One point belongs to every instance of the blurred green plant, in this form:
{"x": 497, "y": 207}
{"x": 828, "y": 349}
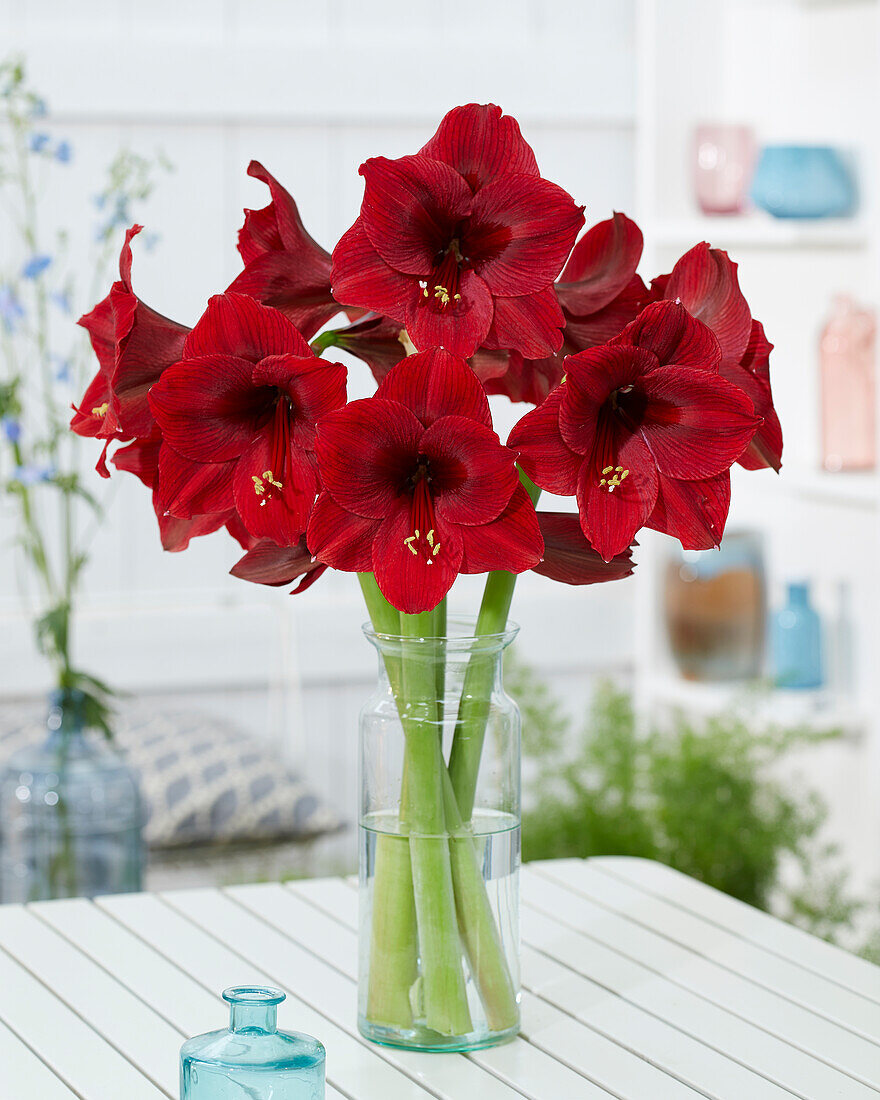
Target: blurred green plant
{"x": 43, "y": 360}
{"x": 701, "y": 799}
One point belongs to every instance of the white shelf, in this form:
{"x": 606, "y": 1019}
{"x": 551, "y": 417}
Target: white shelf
{"x": 819, "y": 710}
{"x": 757, "y": 230}
{"x": 846, "y": 489}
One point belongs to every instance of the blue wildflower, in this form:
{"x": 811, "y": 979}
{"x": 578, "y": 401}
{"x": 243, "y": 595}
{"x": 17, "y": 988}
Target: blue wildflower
{"x": 63, "y": 368}
{"x": 11, "y": 429}
{"x": 100, "y": 201}
{"x": 10, "y": 308}
{"x": 32, "y": 473}
{"x": 63, "y": 152}
{"x": 35, "y": 266}
{"x": 38, "y": 142}
{"x": 38, "y": 108}
{"x": 150, "y": 240}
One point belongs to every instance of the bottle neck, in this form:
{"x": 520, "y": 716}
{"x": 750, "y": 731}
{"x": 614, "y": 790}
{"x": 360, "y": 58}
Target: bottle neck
{"x": 253, "y": 1017}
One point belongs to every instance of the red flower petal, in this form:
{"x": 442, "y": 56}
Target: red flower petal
{"x": 527, "y": 379}
{"x": 141, "y": 458}
{"x": 461, "y": 327}
{"x": 473, "y": 476}
{"x": 606, "y": 323}
{"x": 569, "y": 557}
{"x": 542, "y": 451}
{"x": 601, "y": 265}
{"x": 297, "y": 285}
{"x": 365, "y": 453}
{"x": 188, "y": 489}
{"x": 481, "y": 143}
{"x": 520, "y": 232}
{"x": 411, "y": 208}
{"x": 208, "y": 408}
{"x": 235, "y": 324}
{"x": 592, "y": 376}
{"x": 511, "y": 542}
{"x": 339, "y": 538}
{"x": 277, "y": 226}
{"x": 753, "y": 376}
{"x": 176, "y": 533}
{"x": 610, "y": 520}
{"x": 696, "y": 424}
{"x": 362, "y": 278}
{"x": 273, "y": 503}
{"x": 102, "y": 334}
{"x": 674, "y": 336}
{"x": 705, "y": 281}
{"x": 95, "y": 417}
{"x": 267, "y": 563}
{"x": 694, "y": 512}
{"x": 531, "y": 324}
{"x": 436, "y": 383}
{"x": 409, "y": 581}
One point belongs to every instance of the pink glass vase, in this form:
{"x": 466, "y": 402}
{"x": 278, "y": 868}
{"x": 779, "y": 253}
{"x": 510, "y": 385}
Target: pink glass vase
{"x": 846, "y": 352}
{"x": 723, "y": 166}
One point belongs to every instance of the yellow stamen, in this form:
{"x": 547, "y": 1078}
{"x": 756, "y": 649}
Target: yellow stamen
{"x": 101, "y": 410}
{"x": 617, "y": 476}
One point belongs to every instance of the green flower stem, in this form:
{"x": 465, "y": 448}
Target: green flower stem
{"x": 473, "y": 714}
{"x": 443, "y": 989}
{"x": 393, "y": 942}
{"x": 476, "y": 922}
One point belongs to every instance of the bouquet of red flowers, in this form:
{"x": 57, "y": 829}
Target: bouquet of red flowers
{"x": 462, "y": 276}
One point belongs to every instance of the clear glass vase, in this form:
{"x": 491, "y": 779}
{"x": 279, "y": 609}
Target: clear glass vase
{"x": 251, "y": 1058}
{"x": 71, "y": 813}
{"x": 440, "y": 844}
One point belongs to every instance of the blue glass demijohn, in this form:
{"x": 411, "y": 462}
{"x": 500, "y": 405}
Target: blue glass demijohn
{"x": 71, "y": 813}
{"x": 252, "y": 1059}
{"x": 796, "y": 641}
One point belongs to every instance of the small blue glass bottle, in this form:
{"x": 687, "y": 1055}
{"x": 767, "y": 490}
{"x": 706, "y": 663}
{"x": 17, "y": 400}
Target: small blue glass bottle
{"x": 252, "y": 1060}
{"x": 796, "y": 642}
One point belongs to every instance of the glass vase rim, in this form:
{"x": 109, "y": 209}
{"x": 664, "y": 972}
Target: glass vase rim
{"x": 253, "y": 995}
{"x": 460, "y": 631}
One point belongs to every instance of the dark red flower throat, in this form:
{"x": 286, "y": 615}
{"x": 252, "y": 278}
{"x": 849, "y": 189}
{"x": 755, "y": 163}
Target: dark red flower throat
{"x": 423, "y": 540}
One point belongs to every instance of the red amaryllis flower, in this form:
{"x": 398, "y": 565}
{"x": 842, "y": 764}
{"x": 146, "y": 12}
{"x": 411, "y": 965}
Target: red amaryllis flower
{"x": 633, "y": 417}
{"x": 237, "y": 416}
{"x": 431, "y": 493}
{"x": 599, "y": 292}
{"x": 569, "y": 556}
{"x": 284, "y": 266}
{"x": 705, "y": 282}
{"x": 134, "y": 344}
{"x": 374, "y": 339}
{"x": 461, "y": 242}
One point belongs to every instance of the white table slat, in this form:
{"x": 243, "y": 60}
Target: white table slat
{"x": 354, "y": 1069}
{"x": 327, "y": 990}
{"x": 23, "y": 1074}
{"x": 659, "y": 918}
{"x": 67, "y": 1044}
{"x": 638, "y": 984}
{"x": 709, "y": 1023}
{"x": 623, "y": 1067}
{"x": 732, "y": 992}
{"x": 743, "y": 921}
{"x": 535, "y": 1074}
{"x": 137, "y": 1032}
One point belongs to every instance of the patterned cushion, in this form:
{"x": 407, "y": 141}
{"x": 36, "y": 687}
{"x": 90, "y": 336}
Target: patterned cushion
{"x": 204, "y": 781}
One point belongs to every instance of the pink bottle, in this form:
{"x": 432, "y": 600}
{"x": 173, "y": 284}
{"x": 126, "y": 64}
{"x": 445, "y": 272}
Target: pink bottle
{"x": 847, "y": 365}
{"x": 723, "y": 165}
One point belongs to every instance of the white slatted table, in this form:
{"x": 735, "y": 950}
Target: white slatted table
{"x": 639, "y": 983}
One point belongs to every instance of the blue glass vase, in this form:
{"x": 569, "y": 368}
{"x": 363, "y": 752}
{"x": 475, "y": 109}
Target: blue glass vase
{"x": 71, "y": 813}
{"x": 803, "y": 181}
{"x": 796, "y": 642}
{"x": 252, "y": 1059}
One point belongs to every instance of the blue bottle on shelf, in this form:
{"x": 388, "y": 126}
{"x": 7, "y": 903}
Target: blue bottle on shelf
{"x": 252, "y": 1059}
{"x": 796, "y": 641}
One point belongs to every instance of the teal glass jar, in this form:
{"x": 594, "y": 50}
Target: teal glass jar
{"x": 252, "y": 1058}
